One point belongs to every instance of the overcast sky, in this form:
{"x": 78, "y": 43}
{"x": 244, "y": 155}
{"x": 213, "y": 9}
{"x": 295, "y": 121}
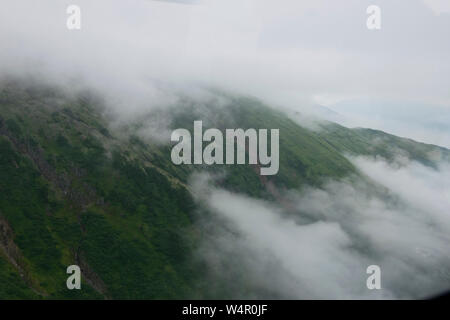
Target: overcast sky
{"x": 292, "y": 53}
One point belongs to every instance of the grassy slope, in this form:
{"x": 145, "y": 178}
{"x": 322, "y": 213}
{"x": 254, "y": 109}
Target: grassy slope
{"x": 74, "y": 193}
{"x": 371, "y": 142}
{"x": 69, "y": 201}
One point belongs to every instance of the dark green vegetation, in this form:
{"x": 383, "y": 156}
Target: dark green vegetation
{"x": 72, "y": 191}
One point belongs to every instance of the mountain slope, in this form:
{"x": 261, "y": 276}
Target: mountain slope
{"x": 359, "y": 141}
{"x": 74, "y": 191}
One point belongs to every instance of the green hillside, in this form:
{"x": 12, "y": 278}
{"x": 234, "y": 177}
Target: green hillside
{"x": 74, "y": 191}
{"x": 369, "y": 142}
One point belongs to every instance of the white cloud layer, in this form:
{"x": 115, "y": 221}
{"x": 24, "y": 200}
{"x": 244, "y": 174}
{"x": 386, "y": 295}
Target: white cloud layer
{"x": 288, "y": 51}
{"x": 340, "y": 230}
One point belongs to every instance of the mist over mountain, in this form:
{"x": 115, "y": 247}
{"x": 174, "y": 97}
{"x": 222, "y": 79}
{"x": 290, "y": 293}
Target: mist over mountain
{"x": 416, "y": 121}
{"x": 87, "y": 179}
{"x": 80, "y": 189}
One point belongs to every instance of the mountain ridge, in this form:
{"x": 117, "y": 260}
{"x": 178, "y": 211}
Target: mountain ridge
{"x": 77, "y": 192}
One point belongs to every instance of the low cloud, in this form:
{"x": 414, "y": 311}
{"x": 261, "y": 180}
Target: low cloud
{"x": 399, "y": 221}
{"x": 290, "y": 53}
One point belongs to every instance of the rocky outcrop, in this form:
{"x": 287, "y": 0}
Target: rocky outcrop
{"x": 13, "y": 254}
{"x": 90, "y": 276}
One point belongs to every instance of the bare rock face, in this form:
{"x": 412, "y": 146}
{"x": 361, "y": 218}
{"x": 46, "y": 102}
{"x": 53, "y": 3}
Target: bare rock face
{"x": 14, "y": 255}
{"x": 7, "y": 245}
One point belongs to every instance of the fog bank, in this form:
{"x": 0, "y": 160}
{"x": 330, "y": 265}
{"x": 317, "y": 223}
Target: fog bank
{"x": 340, "y": 230}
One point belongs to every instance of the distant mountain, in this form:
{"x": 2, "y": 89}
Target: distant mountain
{"x": 426, "y": 123}
{"x": 75, "y": 191}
